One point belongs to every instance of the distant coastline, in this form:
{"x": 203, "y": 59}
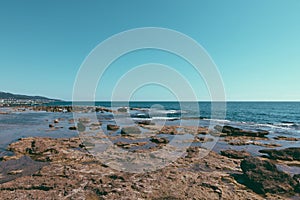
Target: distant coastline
{"x": 9, "y": 99}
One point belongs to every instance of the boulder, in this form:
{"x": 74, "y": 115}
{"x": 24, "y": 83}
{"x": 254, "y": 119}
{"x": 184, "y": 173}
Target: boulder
{"x": 263, "y": 177}
{"x": 235, "y": 154}
{"x": 290, "y": 154}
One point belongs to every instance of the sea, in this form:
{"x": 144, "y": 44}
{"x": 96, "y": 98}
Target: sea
{"x": 279, "y": 118}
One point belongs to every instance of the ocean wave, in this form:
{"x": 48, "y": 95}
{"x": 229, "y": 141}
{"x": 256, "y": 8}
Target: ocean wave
{"x": 155, "y": 118}
{"x": 218, "y": 120}
{"x": 165, "y": 118}
{"x": 166, "y": 111}
{"x": 275, "y": 126}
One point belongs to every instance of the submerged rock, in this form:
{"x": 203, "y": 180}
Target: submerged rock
{"x": 80, "y": 127}
{"x": 264, "y": 177}
{"x": 130, "y": 130}
{"x": 24, "y": 166}
{"x": 289, "y": 154}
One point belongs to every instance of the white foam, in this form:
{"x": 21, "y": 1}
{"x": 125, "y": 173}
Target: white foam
{"x": 218, "y": 120}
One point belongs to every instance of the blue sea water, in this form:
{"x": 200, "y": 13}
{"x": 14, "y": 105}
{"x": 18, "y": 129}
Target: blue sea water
{"x": 279, "y": 118}
{"x": 254, "y": 112}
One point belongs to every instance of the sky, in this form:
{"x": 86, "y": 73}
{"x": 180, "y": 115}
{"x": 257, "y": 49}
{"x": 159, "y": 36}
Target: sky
{"x": 254, "y": 44}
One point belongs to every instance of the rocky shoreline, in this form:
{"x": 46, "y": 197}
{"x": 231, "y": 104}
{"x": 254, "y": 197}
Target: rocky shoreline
{"x": 66, "y": 168}
{"x": 63, "y": 169}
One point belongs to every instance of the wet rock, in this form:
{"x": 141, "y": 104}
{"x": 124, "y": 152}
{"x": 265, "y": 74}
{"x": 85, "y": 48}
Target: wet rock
{"x": 42, "y": 149}
{"x": 264, "y": 177}
{"x": 96, "y": 124}
{"x": 112, "y": 127}
{"x": 203, "y": 130}
{"x": 126, "y": 145}
{"x": 232, "y": 131}
{"x": 296, "y": 177}
{"x": 88, "y": 145}
{"x": 270, "y": 145}
{"x": 84, "y": 120}
{"x": 192, "y": 152}
{"x": 102, "y": 109}
{"x": 286, "y": 138}
{"x": 130, "y": 130}
{"x": 250, "y": 142}
{"x": 122, "y": 109}
{"x": 235, "y": 154}
{"x": 172, "y": 130}
{"x": 15, "y": 172}
{"x": 53, "y": 108}
{"x": 146, "y": 122}
{"x": 159, "y": 140}
{"x": 203, "y": 139}
{"x": 246, "y": 140}
{"x": 56, "y": 121}
{"x": 51, "y": 126}
{"x": 93, "y": 128}
{"x": 290, "y": 154}
{"x": 73, "y": 128}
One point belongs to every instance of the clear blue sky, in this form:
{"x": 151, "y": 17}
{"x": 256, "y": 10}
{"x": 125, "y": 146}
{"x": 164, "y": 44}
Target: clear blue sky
{"x": 255, "y": 44}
